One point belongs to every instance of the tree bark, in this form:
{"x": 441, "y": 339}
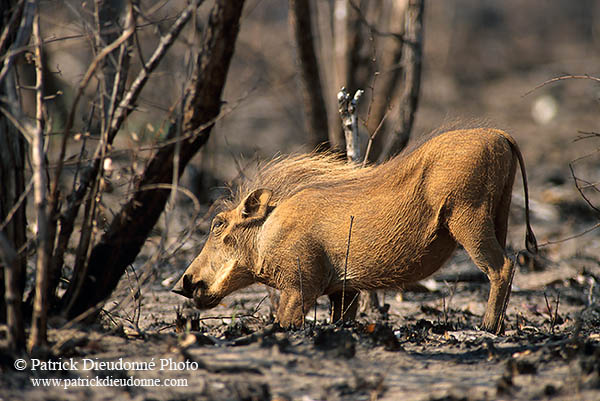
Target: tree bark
{"x": 12, "y": 187}
{"x": 129, "y": 229}
{"x": 12, "y": 265}
{"x": 389, "y": 59}
{"x": 312, "y": 91}
{"x": 413, "y": 57}
{"x": 37, "y": 337}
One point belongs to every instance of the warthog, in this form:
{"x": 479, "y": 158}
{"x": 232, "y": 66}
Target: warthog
{"x": 289, "y": 228}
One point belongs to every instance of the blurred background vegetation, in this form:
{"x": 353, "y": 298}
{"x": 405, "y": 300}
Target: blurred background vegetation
{"x": 480, "y": 59}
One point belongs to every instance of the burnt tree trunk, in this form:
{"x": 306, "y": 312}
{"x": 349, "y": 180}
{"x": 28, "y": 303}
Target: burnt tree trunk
{"x": 129, "y": 229}
{"x": 12, "y": 188}
{"x": 412, "y": 61}
{"x": 352, "y": 65}
{"x": 12, "y": 268}
{"x": 312, "y": 91}
{"x": 347, "y": 44}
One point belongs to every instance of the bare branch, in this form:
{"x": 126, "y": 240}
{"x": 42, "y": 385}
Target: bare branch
{"x": 24, "y": 130}
{"x": 11, "y": 26}
{"x": 343, "y": 311}
{"x": 581, "y": 234}
{"x": 17, "y": 205}
{"x": 40, "y": 306}
{"x": 122, "y": 242}
{"x": 374, "y": 135}
{"x": 118, "y": 117}
{"x": 82, "y": 85}
{"x": 585, "y": 198}
{"x": 130, "y": 98}
{"x": 561, "y": 78}
{"x": 22, "y": 38}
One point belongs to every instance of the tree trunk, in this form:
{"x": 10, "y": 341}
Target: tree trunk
{"x": 129, "y": 229}
{"x": 389, "y": 64}
{"x": 12, "y": 187}
{"x": 312, "y": 91}
{"x": 413, "y": 57}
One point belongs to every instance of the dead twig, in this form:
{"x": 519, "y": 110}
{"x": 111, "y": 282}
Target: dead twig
{"x": 22, "y": 126}
{"x": 120, "y": 113}
{"x": 587, "y": 231}
{"x": 80, "y": 89}
{"x": 561, "y": 78}
{"x": 553, "y": 315}
{"x": 125, "y": 106}
{"x": 301, "y": 294}
{"x": 586, "y": 135}
{"x": 374, "y": 135}
{"x": 346, "y": 266}
{"x": 136, "y": 295}
{"x": 446, "y": 305}
{"x": 11, "y": 26}
{"x": 585, "y": 198}
{"x": 22, "y": 37}
{"x": 17, "y": 205}
{"x": 351, "y": 302}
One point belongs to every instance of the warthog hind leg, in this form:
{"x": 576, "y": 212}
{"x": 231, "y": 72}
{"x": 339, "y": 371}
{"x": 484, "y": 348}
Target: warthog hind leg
{"x": 480, "y": 241}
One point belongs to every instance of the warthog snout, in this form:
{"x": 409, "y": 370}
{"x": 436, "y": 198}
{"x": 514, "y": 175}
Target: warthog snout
{"x": 184, "y": 286}
{"x": 196, "y": 291}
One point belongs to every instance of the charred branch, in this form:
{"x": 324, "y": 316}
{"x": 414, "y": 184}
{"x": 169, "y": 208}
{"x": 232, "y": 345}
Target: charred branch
{"x": 13, "y": 222}
{"x": 37, "y": 337}
{"x": 121, "y": 112}
{"x": 348, "y": 108}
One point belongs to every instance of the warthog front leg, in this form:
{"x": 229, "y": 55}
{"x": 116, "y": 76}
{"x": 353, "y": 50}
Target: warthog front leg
{"x": 293, "y": 305}
{"x": 350, "y": 305}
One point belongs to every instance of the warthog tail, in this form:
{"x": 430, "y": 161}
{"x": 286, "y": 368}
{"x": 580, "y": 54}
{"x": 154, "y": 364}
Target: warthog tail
{"x": 530, "y": 241}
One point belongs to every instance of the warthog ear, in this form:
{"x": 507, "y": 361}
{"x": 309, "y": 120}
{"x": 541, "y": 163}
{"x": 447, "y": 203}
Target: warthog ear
{"x": 255, "y": 206}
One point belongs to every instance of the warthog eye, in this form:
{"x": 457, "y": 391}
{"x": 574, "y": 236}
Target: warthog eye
{"x": 217, "y": 225}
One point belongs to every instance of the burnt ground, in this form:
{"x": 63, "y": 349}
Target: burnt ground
{"x": 422, "y": 345}
{"x": 481, "y": 58}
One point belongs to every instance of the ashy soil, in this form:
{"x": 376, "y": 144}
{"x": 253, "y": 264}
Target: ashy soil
{"x": 424, "y": 343}
{"x": 421, "y": 345}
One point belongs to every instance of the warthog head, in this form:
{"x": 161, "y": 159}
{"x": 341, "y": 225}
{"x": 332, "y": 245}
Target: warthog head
{"x": 226, "y": 261}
